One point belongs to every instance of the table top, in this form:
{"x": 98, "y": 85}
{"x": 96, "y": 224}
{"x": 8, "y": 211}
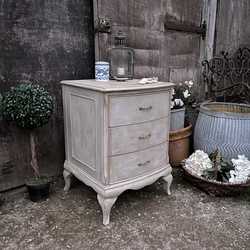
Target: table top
{"x": 116, "y": 86}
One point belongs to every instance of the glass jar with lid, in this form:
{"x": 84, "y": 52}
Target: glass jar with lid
{"x": 121, "y": 59}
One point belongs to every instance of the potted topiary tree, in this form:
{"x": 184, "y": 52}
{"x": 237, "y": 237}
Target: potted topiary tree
{"x": 30, "y": 107}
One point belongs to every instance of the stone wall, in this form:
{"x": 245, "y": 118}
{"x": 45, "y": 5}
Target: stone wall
{"x": 41, "y": 41}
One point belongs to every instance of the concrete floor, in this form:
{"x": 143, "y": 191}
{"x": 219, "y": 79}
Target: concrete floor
{"x": 143, "y": 219}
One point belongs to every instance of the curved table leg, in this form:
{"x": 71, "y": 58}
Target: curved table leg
{"x": 168, "y": 181}
{"x": 106, "y": 205}
{"x": 67, "y": 178}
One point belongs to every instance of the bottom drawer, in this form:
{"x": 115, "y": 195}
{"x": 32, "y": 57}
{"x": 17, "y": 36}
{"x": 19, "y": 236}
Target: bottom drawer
{"x": 129, "y": 166}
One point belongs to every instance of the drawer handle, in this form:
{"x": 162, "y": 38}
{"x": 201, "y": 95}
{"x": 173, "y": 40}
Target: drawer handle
{"x": 143, "y": 164}
{"x": 144, "y": 137}
{"x": 145, "y": 108}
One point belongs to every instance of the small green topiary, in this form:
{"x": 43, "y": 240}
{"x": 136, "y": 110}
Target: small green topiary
{"x": 29, "y": 106}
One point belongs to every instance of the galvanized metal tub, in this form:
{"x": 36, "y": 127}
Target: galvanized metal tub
{"x": 223, "y": 126}
{"x": 177, "y": 119}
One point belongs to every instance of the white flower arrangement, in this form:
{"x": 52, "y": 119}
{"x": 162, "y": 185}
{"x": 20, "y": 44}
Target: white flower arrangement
{"x": 186, "y": 94}
{"x": 241, "y": 171}
{"x": 181, "y": 94}
{"x": 189, "y": 83}
{"x": 200, "y": 163}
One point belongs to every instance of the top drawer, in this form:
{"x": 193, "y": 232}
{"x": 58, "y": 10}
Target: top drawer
{"x": 130, "y": 109}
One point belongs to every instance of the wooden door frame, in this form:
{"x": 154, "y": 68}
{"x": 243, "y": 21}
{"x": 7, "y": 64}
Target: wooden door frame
{"x": 207, "y": 46}
{"x": 209, "y": 15}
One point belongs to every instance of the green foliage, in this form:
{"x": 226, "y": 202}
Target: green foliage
{"x": 29, "y": 106}
{"x": 221, "y": 168}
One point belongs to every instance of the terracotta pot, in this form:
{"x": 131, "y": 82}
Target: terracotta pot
{"x": 179, "y": 145}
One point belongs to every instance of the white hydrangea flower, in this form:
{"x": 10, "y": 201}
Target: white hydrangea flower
{"x": 198, "y": 162}
{"x": 242, "y": 170}
{"x": 190, "y": 84}
{"x": 178, "y": 102}
{"x": 241, "y": 173}
{"x": 186, "y": 94}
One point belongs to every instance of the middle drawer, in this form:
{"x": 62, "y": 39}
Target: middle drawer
{"x": 131, "y": 138}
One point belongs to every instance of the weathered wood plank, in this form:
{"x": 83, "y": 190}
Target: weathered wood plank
{"x": 156, "y": 49}
{"x": 233, "y": 25}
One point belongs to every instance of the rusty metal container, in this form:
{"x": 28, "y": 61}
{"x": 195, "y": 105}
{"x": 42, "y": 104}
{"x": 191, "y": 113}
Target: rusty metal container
{"x": 179, "y": 148}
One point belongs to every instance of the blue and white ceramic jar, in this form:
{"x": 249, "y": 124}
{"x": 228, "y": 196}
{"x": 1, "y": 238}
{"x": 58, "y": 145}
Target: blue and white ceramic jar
{"x": 102, "y": 71}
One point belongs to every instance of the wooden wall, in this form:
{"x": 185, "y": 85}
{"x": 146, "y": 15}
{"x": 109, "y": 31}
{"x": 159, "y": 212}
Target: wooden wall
{"x": 233, "y": 24}
{"x": 41, "y": 41}
{"x": 168, "y": 54}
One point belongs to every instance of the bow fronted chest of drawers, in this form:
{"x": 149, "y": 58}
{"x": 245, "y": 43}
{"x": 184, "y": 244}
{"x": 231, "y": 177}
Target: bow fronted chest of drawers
{"x": 116, "y": 136}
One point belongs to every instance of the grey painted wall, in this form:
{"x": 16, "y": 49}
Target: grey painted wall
{"x": 41, "y": 41}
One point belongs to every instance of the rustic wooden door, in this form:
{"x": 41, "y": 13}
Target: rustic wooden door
{"x": 165, "y": 34}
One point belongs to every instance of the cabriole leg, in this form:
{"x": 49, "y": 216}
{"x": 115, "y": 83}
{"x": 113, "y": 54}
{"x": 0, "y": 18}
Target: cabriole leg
{"x": 106, "y": 205}
{"x": 168, "y": 181}
{"x": 67, "y": 178}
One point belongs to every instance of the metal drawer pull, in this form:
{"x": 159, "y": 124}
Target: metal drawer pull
{"x": 143, "y": 164}
{"x": 144, "y": 137}
{"x": 145, "y": 108}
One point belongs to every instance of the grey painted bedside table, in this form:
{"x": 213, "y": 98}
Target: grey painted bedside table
{"x": 116, "y": 136}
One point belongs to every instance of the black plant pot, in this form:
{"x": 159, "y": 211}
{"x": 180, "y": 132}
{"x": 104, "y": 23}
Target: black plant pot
{"x": 38, "y": 191}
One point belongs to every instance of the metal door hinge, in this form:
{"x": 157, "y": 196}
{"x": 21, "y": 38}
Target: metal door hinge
{"x": 187, "y": 28}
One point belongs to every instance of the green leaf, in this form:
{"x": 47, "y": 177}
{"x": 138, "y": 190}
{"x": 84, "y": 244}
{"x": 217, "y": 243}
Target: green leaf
{"x": 28, "y": 105}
